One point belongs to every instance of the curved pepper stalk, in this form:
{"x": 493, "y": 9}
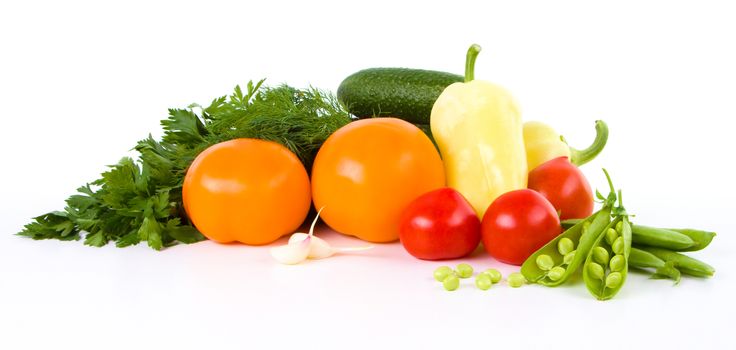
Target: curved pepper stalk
{"x": 580, "y": 157}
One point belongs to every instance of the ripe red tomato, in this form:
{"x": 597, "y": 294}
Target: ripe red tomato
{"x": 518, "y": 223}
{"x": 440, "y": 224}
{"x": 565, "y": 186}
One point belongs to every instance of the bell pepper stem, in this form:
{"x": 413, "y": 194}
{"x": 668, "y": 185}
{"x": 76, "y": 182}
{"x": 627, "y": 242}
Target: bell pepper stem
{"x": 580, "y": 157}
{"x": 473, "y": 52}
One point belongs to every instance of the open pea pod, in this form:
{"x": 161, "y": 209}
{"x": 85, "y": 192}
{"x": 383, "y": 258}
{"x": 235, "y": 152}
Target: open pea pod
{"x": 606, "y": 264}
{"x": 556, "y": 261}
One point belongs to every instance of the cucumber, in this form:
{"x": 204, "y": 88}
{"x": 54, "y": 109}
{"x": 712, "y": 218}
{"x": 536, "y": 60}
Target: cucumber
{"x": 402, "y": 93}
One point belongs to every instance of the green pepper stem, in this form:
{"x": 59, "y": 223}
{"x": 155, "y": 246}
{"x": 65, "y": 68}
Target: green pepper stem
{"x": 473, "y": 52}
{"x": 580, "y": 157}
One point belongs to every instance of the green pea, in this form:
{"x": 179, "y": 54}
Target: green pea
{"x": 516, "y": 280}
{"x": 595, "y": 271}
{"x": 565, "y": 245}
{"x": 441, "y": 272}
{"x": 611, "y": 236}
{"x": 494, "y": 274}
{"x": 451, "y": 282}
{"x": 618, "y": 245}
{"x": 613, "y": 280}
{"x": 483, "y": 281}
{"x": 620, "y": 226}
{"x": 567, "y": 259}
{"x": 545, "y": 262}
{"x": 556, "y": 273}
{"x": 600, "y": 255}
{"x": 464, "y": 270}
{"x": 617, "y": 262}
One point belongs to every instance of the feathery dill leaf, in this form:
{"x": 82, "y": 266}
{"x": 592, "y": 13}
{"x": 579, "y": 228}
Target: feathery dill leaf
{"x": 140, "y": 200}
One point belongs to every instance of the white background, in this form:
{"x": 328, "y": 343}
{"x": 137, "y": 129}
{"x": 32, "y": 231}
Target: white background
{"x": 80, "y": 82}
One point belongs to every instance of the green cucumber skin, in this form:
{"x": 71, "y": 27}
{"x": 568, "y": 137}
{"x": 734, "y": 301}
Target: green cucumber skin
{"x": 402, "y": 93}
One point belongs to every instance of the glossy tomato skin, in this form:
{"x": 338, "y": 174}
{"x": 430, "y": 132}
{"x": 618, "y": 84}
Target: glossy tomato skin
{"x": 517, "y": 224}
{"x": 439, "y": 225}
{"x": 246, "y": 190}
{"x": 368, "y": 171}
{"x": 565, "y": 186}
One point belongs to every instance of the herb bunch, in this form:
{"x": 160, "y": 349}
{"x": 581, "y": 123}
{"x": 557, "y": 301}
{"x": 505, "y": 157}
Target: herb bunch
{"x": 141, "y": 200}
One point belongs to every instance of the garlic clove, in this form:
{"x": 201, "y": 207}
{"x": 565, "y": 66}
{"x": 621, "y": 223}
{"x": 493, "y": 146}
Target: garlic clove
{"x": 292, "y": 253}
{"x": 320, "y": 249}
{"x": 298, "y": 237}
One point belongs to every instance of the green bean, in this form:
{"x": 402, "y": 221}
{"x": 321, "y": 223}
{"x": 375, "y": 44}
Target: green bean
{"x": 611, "y": 236}
{"x": 618, "y": 245}
{"x": 595, "y": 271}
{"x": 451, "y": 282}
{"x": 596, "y": 223}
{"x": 600, "y": 255}
{"x": 565, "y": 245}
{"x": 617, "y": 263}
{"x": 684, "y": 263}
{"x": 701, "y": 238}
{"x": 494, "y": 274}
{"x": 545, "y": 262}
{"x": 613, "y": 280}
{"x": 556, "y": 273}
{"x": 662, "y": 238}
{"x": 515, "y": 280}
{"x": 567, "y": 259}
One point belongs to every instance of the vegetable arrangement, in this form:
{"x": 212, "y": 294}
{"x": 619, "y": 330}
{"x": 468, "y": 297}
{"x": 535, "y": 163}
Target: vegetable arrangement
{"x": 438, "y": 161}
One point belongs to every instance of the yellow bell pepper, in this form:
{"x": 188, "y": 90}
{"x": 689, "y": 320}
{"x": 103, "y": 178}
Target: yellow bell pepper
{"x": 543, "y": 143}
{"x": 478, "y": 130}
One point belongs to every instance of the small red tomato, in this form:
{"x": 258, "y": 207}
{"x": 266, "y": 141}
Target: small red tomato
{"x": 440, "y": 224}
{"x": 518, "y": 223}
{"x": 565, "y": 186}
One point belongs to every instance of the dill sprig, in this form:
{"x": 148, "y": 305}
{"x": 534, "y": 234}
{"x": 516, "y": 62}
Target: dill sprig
{"x": 140, "y": 200}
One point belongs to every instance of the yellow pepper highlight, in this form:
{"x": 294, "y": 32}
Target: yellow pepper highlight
{"x": 478, "y": 130}
{"x": 543, "y": 143}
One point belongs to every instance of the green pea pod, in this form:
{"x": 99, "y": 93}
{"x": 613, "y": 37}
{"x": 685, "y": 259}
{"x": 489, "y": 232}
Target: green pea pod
{"x": 684, "y": 263}
{"x": 598, "y": 223}
{"x": 662, "y": 238}
{"x": 701, "y": 238}
{"x": 566, "y": 224}
{"x": 642, "y": 259}
{"x": 601, "y": 281}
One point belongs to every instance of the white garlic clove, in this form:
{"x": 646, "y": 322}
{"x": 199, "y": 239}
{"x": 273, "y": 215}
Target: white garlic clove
{"x": 320, "y": 249}
{"x": 291, "y": 254}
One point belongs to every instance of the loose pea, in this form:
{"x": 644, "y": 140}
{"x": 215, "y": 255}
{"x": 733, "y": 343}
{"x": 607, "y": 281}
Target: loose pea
{"x": 596, "y": 271}
{"x": 441, "y": 272}
{"x": 600, "y": 255}
{"x": 620, "y": 226}
{"x": 618, "y": 245}
{"x": 556, "y": 273}
{"x": 483, "y": 281}
{"x": 464, "y": 270}
{"x": 516, "y": 280}
{"x": 611, "y": 236}
{"x": 545, "y": 262}
{"x": 613, "y": 280}
{"x": 494, "y": 274}
{"x": 567, "y": 259}
{"x": 617, "y": 262}
{"x": 451, "y": 282}
{"x": 565, "y": 245}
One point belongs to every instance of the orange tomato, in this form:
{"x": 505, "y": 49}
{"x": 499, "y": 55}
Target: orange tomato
{"x": 368, "y": 171}
{"x": 246, "y": 190}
